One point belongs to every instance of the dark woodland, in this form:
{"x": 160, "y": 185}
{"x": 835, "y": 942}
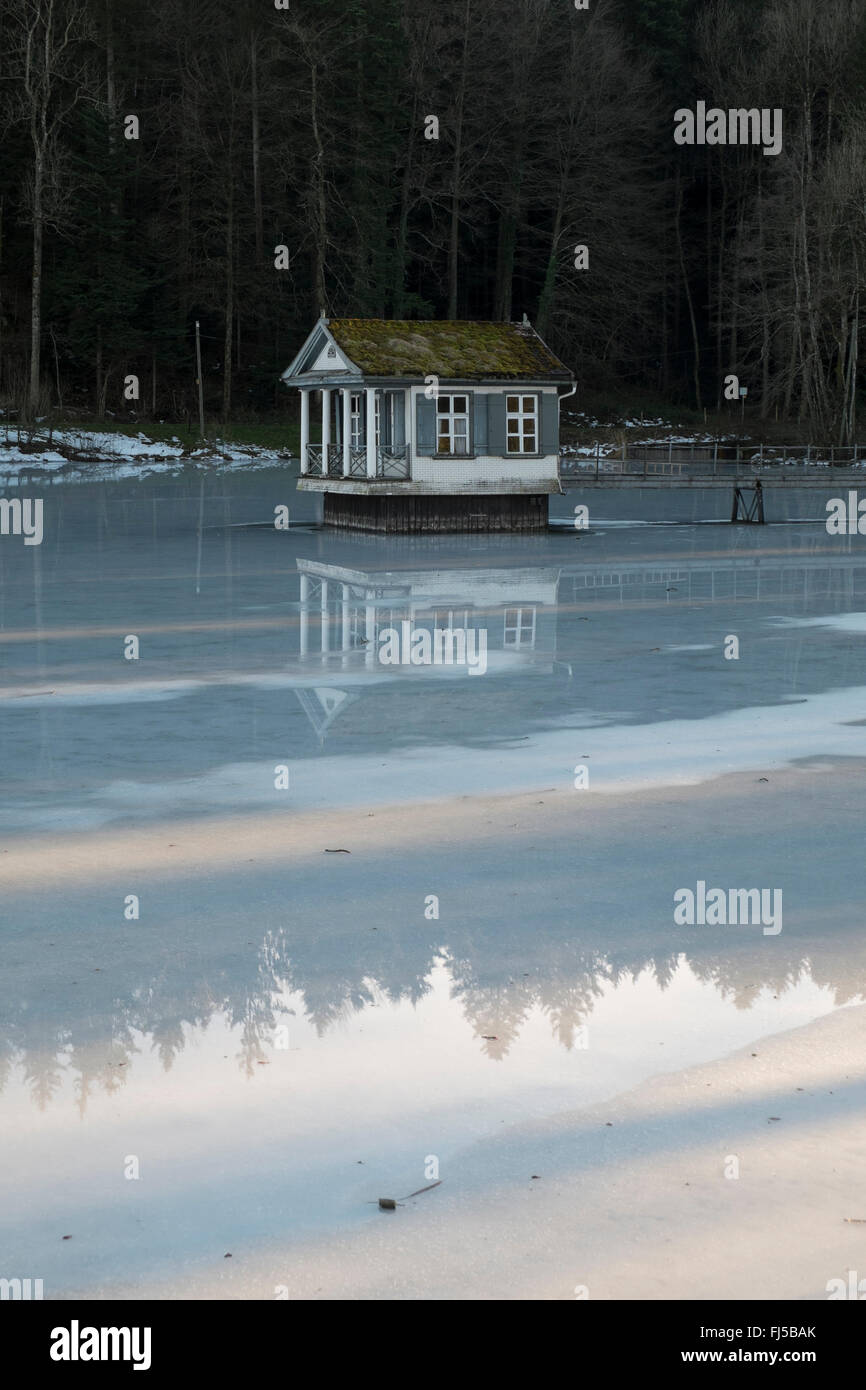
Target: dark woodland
{"x": 307, "y": 128}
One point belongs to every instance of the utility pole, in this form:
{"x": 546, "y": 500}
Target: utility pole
{"x": 200, "y": 387}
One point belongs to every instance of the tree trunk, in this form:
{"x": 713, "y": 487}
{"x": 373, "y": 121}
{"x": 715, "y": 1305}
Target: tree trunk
{"x": 545, "y": 299}
{"x": 229, "y": 299}
{"x": 256, "y": 152}
{"x": 457, "y": 174}
{"x": 507, "y": 244}
{"x": 36, "y": 291}
{"x": 318, "y": 200}
{"x": 691, "y": 307}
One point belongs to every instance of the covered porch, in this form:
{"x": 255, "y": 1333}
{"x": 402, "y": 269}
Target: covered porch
{"x": 363, "y": 434}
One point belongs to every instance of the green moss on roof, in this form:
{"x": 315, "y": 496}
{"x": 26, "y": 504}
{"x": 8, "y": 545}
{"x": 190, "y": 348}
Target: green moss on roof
{"x": 471, "y": 351}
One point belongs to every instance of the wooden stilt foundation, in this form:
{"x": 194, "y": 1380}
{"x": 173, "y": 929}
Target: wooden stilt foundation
{"x": 430, "y": 513}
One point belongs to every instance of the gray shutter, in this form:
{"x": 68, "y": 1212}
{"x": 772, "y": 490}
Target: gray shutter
{"x": 425, "y": 415}
{"x": 399, "y": 419}
{"x": 479, "y": 433}
{"x": 549, "y": 442}
{"x": 496, "y": 424}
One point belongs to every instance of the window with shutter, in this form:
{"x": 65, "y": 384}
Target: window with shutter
{"x": 452, "y": 425}
{"x": 521, "y": 424}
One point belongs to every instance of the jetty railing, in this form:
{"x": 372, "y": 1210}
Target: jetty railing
{"x": 713, "y": 458}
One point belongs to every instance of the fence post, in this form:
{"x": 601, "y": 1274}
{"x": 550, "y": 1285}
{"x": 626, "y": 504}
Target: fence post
{"x": 670, "y": 453}
{"x": 808, "y": 454}
{"x": 645, "y": 458}
{"x": 715, "y": 457}
{"x": 597, "y": 454}
{"x": 761, "y": 459}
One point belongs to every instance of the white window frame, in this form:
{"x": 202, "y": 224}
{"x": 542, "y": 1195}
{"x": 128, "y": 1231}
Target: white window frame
{"x": 443, "y": 618}
{"x": 453, "y": 417}
{"x": 357, "y": 418}
{"x": 521, "y": 416}
{"x": 519, "y": 634}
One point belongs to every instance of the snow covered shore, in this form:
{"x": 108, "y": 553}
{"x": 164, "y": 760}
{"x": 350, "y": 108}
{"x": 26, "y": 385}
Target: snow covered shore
{"x": 74, "y": 455}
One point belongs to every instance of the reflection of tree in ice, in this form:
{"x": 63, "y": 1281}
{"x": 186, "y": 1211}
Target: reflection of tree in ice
{"x": 497, "y": 973}
{"x": 776, "y": 977}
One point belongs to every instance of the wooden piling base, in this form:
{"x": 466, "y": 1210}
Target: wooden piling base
{"x": 426, "y": 513}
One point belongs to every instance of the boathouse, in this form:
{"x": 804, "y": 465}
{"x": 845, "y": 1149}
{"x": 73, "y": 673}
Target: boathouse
{"x": 429, "y": 426}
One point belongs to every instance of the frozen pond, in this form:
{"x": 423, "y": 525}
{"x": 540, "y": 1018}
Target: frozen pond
{"x": 280, "y": 1035}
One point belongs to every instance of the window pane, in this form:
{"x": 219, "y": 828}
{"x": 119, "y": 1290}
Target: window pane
{"x": 460, "y": 405}
{"x": 529, "y": 403}
{"x": 513, "y": 445}
{"x": 512, "y": 403}
{"x": 443, "y": 405}
{"x": 529, "y": 444}
{"x": 513, "y": 426}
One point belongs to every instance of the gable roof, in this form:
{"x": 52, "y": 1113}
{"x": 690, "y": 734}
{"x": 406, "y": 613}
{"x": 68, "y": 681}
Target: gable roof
{"x": 470, "y": 351}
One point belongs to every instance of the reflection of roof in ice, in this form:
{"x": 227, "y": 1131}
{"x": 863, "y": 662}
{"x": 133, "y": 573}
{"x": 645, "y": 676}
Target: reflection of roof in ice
{"x": 476, "y": 587}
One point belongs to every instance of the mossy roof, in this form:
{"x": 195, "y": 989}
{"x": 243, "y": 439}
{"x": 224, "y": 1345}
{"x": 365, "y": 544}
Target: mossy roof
{"x": 452, "y": 350}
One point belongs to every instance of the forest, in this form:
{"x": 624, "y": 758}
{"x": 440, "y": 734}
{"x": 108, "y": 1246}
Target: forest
{"x": 252, "y": 165}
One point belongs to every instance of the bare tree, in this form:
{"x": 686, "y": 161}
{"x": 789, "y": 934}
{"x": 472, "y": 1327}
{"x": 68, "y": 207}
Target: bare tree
{"x": 50, "y": 60}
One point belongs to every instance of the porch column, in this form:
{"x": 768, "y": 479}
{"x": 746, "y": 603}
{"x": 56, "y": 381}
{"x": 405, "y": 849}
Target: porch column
{"x": 326, "y": 634}
{"x": 370, "y": 652}
{"x": 305, "y": 431}
{"x": 371, "y": 431}
{"x": 326, "y": 428}
{"x": 347, "y": 626}
{"x": 347, "y": 431}
{"x": 304, "y": 611}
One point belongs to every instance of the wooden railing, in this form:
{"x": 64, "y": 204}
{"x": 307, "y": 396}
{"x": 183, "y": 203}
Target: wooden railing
{"x": 715, "y": 459}
{"x": 392, "y": 462}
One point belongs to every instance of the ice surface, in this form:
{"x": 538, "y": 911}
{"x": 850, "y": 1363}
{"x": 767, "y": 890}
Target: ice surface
{"x": 409, "y": 1035}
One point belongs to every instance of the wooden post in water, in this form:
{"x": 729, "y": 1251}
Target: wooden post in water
{"x": 200, "y": 386}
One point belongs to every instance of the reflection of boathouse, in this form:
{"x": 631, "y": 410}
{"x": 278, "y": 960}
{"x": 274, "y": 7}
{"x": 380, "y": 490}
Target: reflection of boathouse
{"x": 344, "y": 612}
{"x": 538, "y": 621}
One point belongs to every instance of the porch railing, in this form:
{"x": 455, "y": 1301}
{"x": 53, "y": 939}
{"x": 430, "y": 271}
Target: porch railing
{"x": 392, "y": 462}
